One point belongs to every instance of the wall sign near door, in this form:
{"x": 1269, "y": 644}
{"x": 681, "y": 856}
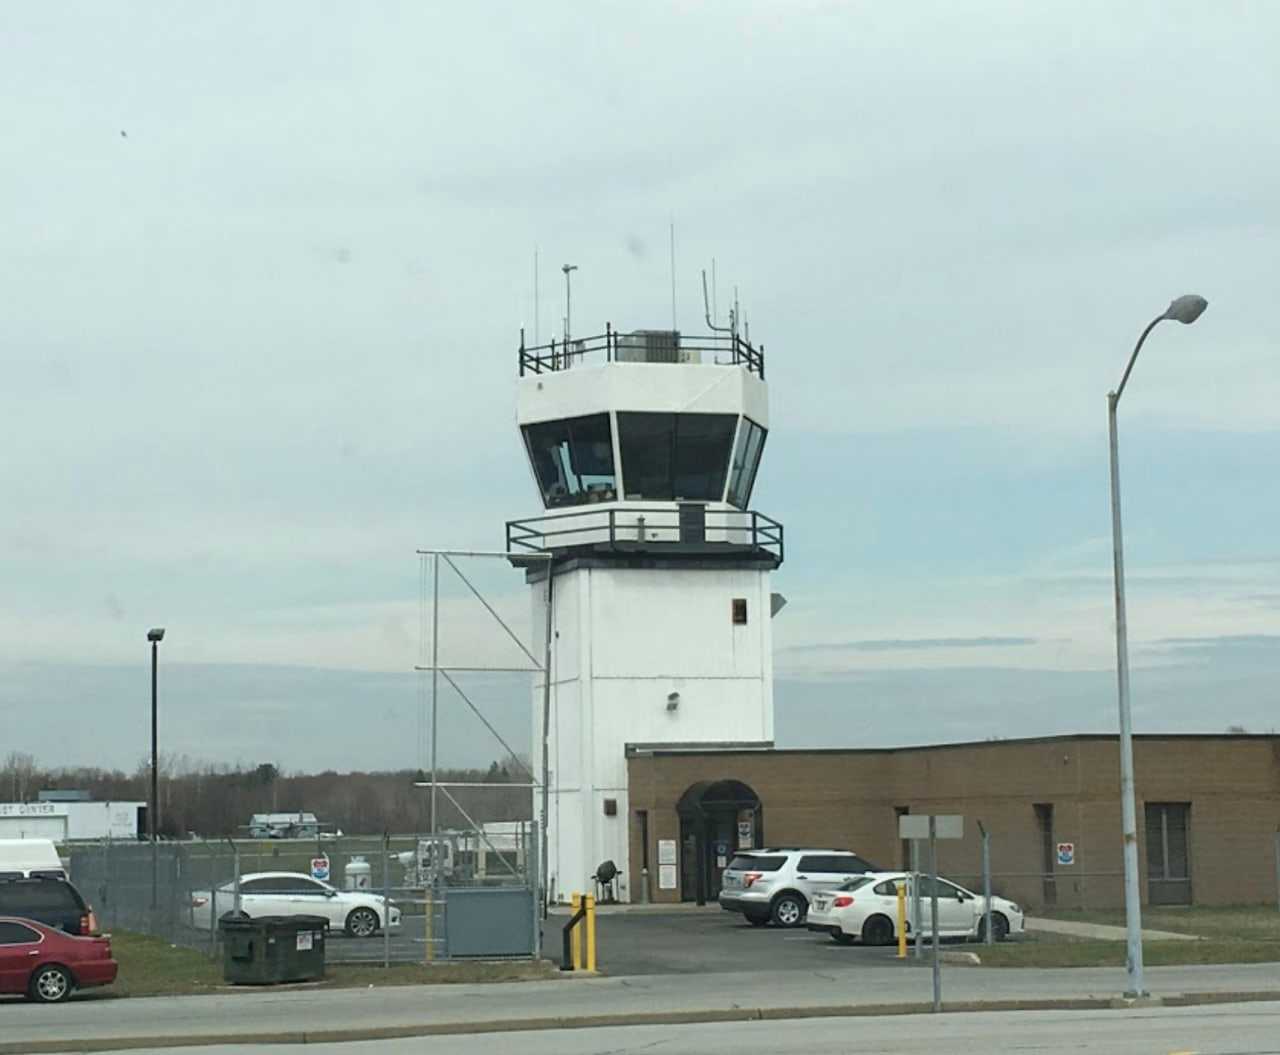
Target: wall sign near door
{"x": 1066, "y": 853}
{"x": 745, "y": 835}
{"x": 666, "y": 877}
{"x": 666, "y": 852}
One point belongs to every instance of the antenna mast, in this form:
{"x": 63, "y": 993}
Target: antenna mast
{"x": 674, "y": 325}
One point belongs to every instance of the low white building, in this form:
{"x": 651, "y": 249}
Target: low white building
{"x": 68, "y": 821}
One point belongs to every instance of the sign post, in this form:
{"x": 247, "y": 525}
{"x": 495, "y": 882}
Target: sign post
{"x": 987, "y": 937}
{"x": 933, "y": 828}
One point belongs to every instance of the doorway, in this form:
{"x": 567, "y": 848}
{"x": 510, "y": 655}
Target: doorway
{"x": 717, "y": 819}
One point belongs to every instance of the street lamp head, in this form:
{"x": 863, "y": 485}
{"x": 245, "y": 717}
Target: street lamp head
{"x": 1187, "y": 308}
{"x": 155, "y": 634}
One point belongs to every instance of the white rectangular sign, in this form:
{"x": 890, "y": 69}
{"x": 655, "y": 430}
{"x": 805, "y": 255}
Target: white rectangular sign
{"x": 666, "y": 877}
{"x": 666, "y": 851}
{"x": 916, "y": 826}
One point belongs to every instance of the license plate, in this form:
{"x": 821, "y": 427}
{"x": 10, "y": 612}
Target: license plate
{"x": 820, "y": 904}
{"x": 732, "y": 881}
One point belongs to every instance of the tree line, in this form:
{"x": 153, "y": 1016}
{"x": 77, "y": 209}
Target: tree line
{"x": 212, "y": 801}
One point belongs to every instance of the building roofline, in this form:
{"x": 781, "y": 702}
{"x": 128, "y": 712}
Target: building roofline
{"x": 760, "y": 747}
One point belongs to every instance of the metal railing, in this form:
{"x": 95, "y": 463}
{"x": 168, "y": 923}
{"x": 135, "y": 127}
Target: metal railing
{"x": 632, "y": 528}
{"x": 614, "y": 346}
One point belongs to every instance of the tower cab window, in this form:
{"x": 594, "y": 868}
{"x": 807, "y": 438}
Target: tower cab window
{"x": 674, "y": 457}
{"x": 573, "y": 459}
{"x": 746, "y": 460}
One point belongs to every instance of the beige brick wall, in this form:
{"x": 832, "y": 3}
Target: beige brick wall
{"x": 847, "y": 798}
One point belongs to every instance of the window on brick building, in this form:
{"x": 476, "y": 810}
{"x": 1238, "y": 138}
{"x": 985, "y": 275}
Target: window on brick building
{"x": 1168, "y": 853}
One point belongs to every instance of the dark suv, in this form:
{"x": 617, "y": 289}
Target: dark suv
{"x": 53, "y": 902}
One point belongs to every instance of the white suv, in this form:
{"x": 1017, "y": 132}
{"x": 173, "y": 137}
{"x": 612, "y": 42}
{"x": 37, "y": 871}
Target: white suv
{"x": 777, "y": 884}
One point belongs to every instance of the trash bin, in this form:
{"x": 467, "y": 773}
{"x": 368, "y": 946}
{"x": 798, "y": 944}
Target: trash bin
{"x": 266, "y": 950}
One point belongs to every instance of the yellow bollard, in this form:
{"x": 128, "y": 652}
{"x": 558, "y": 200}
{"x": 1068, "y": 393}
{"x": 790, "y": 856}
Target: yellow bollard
{"x": 575, "y": 903}
{"x": 902, "y": 921}
{"x": 591, "y": 932}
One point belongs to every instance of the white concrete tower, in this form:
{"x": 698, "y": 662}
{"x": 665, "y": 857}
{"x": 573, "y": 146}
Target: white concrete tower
{"x": 644, "y": 448}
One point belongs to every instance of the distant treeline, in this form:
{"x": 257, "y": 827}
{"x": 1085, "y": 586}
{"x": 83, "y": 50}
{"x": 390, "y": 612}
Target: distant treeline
{"x": 216, "y": 800}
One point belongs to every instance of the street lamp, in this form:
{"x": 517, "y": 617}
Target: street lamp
{"x": 155, "y": 636}
{"x": 1186, "y": 309}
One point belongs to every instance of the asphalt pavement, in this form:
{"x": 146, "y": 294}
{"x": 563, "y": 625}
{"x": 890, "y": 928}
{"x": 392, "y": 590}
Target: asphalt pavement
{"x": 678, "y": 941}
{"x": 314, "y": 1015}
{"x": 1230, "y": 1029}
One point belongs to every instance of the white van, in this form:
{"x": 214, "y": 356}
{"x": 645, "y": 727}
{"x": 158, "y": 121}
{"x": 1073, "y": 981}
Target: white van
{"x": 24, "y": 858}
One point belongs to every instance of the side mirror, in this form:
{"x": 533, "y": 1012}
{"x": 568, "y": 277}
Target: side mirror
{"x": 330, "y": 893}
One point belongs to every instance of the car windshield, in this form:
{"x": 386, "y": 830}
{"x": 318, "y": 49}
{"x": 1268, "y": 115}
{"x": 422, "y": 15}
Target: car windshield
{"x": 854, "y": 884}
{"x": 754, "y": 863}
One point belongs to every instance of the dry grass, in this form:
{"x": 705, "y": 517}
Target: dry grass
{"x": 153, "y": 967}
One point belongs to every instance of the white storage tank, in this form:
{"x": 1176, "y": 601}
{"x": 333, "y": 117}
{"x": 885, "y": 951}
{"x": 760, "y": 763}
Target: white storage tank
{"x": 358, "y": 874}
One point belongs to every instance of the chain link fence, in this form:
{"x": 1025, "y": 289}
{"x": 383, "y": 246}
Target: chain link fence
{"x": 451, "y": 895}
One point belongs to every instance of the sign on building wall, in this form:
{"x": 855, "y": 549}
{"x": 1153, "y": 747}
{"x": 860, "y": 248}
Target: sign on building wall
{"x": 666, "y": 864}
{"x": 320, "y": 867}
{"x": 32, "y": 809}
{"x": 746, "y": 835}
{"x": 1066, "y": 853}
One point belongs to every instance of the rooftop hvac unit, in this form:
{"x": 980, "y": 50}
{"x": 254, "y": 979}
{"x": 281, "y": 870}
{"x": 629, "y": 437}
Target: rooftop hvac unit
{"x": 650, "y": 346}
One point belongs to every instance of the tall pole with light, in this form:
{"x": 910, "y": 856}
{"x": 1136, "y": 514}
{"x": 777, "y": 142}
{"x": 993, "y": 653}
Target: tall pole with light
{"x": 1186, "y": 309}
{"x": 155, "y": 636}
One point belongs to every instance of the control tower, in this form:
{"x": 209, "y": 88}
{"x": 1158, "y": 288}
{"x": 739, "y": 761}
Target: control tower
{"x": 644, "y": 449}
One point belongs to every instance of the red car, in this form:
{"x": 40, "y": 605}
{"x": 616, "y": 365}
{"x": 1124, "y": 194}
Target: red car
{"x": 47, "y": 964}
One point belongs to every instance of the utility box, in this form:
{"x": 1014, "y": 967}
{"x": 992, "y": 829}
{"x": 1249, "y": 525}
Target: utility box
{"x": 268, "y": 950}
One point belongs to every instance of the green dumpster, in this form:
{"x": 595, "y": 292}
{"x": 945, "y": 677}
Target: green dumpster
{"x": 266, "y": 950}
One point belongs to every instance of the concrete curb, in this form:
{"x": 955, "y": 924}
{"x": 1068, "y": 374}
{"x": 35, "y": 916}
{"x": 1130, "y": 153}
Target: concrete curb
{"x": 636, "y": 1018}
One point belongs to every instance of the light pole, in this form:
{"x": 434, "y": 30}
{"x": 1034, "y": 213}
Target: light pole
{"x": 1186, "y": 309}
{"x": 155, "y": 636}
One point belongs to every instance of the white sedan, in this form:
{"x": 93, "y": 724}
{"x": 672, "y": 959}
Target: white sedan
{"x": 866, "y": 909}
{"x": 357, "y": 912}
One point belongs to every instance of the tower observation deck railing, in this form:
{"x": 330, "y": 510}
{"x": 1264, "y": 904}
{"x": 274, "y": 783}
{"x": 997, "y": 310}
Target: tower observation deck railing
{"x": 614, "y": 346}
{"x": 651, "y": 530}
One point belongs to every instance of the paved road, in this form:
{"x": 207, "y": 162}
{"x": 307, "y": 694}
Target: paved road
{"x": 1228, "y": 1029}
{"x": 753, "y": 992}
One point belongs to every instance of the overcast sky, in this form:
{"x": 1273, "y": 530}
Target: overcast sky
{"x": 262, "y": 274}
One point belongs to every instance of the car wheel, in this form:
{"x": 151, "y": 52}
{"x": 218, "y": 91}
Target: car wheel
{"x": 51, "y": 984}
{"x": 999, "y": 927}
{"x": 362, "y": 922}
{"x": 877, "y": 930}
{"x": 757, "y": 921}
{"x": 841, "y": 938}
{"x": 789, "y": 909}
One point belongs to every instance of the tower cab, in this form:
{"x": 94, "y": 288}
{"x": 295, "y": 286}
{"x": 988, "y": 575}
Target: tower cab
{"x": 644, "y": 448}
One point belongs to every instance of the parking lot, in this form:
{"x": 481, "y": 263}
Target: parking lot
{"x": 697, "y": 940}
{"x": 656, "y": 941}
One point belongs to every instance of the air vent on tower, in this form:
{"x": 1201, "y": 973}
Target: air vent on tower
{"x": 653, "y": 346}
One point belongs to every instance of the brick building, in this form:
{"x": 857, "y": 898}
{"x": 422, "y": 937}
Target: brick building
{"x": 1208, "y": 813}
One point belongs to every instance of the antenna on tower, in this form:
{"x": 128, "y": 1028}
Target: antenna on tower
{"x": 537, "y": 330}
{"x": 568, "y": 269}
{"x": 674, "y": 325}
{"x": 708, "y": 307}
